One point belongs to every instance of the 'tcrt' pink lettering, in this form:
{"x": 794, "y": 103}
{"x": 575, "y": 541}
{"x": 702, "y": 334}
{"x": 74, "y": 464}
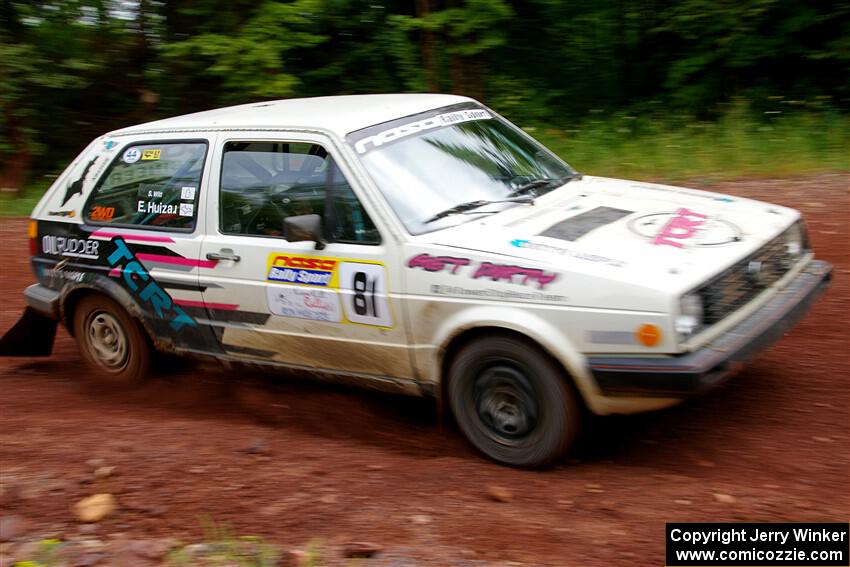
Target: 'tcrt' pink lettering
{"x": 682, "y": 226}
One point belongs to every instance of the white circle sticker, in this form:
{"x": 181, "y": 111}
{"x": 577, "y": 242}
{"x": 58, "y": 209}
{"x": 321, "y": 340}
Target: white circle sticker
{"x": 132, "y": 155}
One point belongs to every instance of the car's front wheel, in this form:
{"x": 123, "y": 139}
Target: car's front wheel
{"x": 111, "y": 341}
{"x": 513, "y": 401}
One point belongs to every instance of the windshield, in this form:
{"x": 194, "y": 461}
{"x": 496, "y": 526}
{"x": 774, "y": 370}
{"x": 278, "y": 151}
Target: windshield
{"x": 429, "y": 163}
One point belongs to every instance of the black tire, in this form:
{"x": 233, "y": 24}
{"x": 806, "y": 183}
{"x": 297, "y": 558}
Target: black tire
{"x": 113, "y": 344}
{"x": 513, "y": 401}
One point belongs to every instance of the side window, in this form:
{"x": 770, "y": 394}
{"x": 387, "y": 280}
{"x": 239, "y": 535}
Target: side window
{"x": 262, "y": 183}
{"x": 151, "y": 185}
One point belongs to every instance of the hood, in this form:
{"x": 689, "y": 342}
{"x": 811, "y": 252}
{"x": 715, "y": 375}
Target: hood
{"x": 627, "y": 230}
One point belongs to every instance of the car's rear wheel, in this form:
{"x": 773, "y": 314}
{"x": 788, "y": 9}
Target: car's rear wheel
{"x": 513, "y": 401}
{"x": 111, "y": 341}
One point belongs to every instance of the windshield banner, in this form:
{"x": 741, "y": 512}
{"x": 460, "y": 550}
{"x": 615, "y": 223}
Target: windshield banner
{"x": 377, "y": 136}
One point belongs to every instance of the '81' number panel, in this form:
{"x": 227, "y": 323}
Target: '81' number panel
{"x": 364, "y": 291}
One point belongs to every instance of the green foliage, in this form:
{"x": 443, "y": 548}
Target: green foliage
{"x": 476, "y": 26}
{"x": 251, "y": 63}
{"x": 73, "y": 69}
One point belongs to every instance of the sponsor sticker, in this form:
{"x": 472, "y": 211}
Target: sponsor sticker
{"x": 548, "y": 248}
{"x": 496, "y": 272}
{"x": 65, "y": 275}
{"x": 514, "y": 274}
{"x": 304, "y": 303}
{"x": 683, "y": 191}
{"x": 358, "y": 285}
{"x": 304, "y": 270}
{"x": 76, "y": 187}
{"x": 438, "y": 121}
{"x": 132, "y": 155}
{"x": 151, "y": 155}
{"x": 496, "y": 294}
{"x": 187, "y": 193}
{"x": 139, "y": 281}
{"x": 187, "y": 209}
{"x": 103, "y": 214}
{"x": 437, "y": 263}
{"x": 71, "y": 247}
{"x": 685, "y": 227}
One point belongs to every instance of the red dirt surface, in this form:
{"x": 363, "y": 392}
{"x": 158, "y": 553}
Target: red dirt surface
{"x": 294, "y": 460}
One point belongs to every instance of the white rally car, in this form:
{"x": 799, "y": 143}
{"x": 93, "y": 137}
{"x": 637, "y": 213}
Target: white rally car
{"x": 420, "y": 243}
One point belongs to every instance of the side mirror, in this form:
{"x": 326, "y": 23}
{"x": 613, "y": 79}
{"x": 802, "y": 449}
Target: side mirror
{"x": 304, "y": 227}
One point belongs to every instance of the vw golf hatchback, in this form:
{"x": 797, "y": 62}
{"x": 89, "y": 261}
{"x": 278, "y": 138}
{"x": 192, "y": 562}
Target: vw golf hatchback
{"x": 419, "y": 243}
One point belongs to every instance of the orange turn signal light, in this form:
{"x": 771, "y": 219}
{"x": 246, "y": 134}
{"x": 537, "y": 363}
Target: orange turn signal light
{"x": 648, "y": 334}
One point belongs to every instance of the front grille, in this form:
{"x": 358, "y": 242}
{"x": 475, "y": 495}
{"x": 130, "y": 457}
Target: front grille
{"x": 739, "y": 284}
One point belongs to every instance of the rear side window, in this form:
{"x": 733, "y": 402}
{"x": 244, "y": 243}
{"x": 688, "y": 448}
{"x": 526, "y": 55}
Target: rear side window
{"x": 154, "y": 185}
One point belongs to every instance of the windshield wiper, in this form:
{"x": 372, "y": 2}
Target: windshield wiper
{"x": 542, "y": 182}
{"x": 463, "y": 207}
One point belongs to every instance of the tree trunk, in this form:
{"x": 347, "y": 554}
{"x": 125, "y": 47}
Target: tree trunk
{"x": 475, "y": 70}
{"x": 426, "y": 44}
{"x": 15, "y": 168}
{"x": 458, "y": 71}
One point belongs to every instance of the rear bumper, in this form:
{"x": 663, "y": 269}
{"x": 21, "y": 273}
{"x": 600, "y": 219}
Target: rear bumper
{"x": 43, "y": 300}
{"x": 692, "y": 373}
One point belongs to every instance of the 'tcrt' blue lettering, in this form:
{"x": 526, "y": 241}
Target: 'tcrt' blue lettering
{"x": 121, "y": 251}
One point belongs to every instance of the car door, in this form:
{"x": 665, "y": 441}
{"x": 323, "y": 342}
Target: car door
{"x": 143, "y": 215}
{"x": 334, "y": 307}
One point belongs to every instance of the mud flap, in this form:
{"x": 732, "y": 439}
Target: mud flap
{"x": 32, "y": 335}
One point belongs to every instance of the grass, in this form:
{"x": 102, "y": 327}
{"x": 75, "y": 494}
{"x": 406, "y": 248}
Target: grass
{"x": 22, "y": 206}
{"x": 659, "y": 146}
{"x": 19, "y": 207}
{"x": 45, "y": 555}
{"x": 222, "y": 549}
{"x": 677, "y": 148}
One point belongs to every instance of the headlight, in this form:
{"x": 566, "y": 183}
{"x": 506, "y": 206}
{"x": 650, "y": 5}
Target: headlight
{"x": 689, "y": 319}
{"x": 796, "y": 241}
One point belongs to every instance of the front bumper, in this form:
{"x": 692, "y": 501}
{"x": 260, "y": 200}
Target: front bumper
{"x": 689, "y": 374}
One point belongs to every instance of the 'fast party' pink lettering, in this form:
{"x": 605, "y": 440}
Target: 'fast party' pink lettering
{"x": 497, "y": 272}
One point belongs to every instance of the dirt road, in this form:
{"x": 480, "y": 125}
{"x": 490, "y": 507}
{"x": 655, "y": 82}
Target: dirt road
{"x": 293, "y": 461}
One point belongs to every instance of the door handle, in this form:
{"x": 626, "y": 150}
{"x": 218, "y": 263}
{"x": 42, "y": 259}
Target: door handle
{"x": 223, "y": 255}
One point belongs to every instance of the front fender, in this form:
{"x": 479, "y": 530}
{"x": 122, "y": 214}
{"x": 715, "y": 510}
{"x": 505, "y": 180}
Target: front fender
{"x": 521, "y": 320}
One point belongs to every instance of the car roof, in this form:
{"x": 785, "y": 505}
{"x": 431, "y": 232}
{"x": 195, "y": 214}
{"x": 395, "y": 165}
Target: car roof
{"x": 337, "y": 114}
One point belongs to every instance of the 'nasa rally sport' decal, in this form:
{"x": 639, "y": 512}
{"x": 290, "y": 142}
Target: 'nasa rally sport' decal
{"x": 409, "y": 129}
{"x": 336, "y": 290}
